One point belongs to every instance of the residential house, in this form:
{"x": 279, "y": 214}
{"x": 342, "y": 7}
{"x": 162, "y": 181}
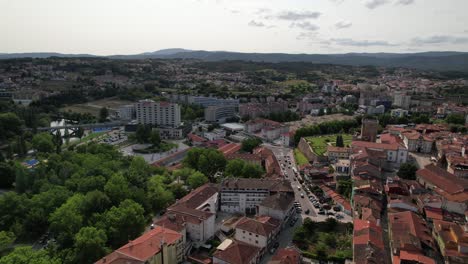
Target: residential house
{"x": 288, "y": 255}
{"x": 236, "y": 252}
{"x": 453, "y": 241}
{"x": 279, "y": 206}
{"x": 259, "y": 232}
{"x": 368, "y": 244}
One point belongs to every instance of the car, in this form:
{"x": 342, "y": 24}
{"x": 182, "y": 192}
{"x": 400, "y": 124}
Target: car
{"x": 321, "y": 212}
{"x": 330, "y": 213}
{"x": 302, "y": 195}
{"x": 339, "y": 216}
{"x": 298, "y": 209}
{"x": 299, "y": 188}
{"x": 152, "y": 226}
{"x": 307, "y": 211}
{"x": 317, "y": 205}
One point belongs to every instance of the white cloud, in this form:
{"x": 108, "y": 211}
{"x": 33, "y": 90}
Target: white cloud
{"x": 305, "y": 26}
{"x": 343, "y": 24}
{"x": 372, "y": 4}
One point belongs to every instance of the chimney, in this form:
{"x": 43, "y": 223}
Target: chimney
{"x": 463, "y": 151}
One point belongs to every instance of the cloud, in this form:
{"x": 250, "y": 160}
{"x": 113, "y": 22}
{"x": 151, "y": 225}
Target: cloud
{"x": 343, "y": 24}
{"x": 360, "y": 43}
{"x": 261, "y": 11}
{"x": 254, "y": 23}
{"x": 306, "y": 35}
{"x": 305, "y": 26}
{"x": 295, "y": 15}
{"x": 337, "y": 1}
{"x": 372, "y": 4}
{"x": 405, "y": 2}
{"x": 439, "y": 39}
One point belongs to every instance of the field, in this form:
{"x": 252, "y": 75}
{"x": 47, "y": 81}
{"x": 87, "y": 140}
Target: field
{"x": 300, "y": 158}
{"x": 93, "y": 107}
{"x": 319, "y": 143}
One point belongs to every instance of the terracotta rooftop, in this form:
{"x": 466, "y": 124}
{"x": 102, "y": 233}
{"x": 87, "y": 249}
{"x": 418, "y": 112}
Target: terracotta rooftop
{"x": 237, "y": 253}
{"x": 409, "y": 231}
{"x": 142, "y": 248}
{"x": 372, "y": 145}
{"x": 444, "y": 180}
{"x": 264, "y": 226}
{"x": 279, "y": 201}
{"x": 286, "y": 256}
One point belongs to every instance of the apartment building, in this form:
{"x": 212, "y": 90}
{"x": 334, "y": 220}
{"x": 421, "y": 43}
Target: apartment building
{"x": 219, "y": 113}
{"x": 149, "y": 112}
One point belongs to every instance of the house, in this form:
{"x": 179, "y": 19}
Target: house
{"x": 367, "y": 208}
{"x": 410, "y": 237}
{"x": 454, "y": 190}
{"x": 243, "y": 195}
{"x": 368, "y": 244}
{"x": 279, "y": 206}
{"x": 336, "y": 153}
{"x": 259, "y": 232}
{"x": 236, "y": 252}
{"x": 342, "y": 169}
{"x": 453, "y": 241}
{"x": 195, "y": 213}
{"x": 396, "y": 153}
{"x": 288, "y": 255}
{"x": 417, "y": 142}
{"x": 160, "y": 245}
{"x": 339, "y": 200}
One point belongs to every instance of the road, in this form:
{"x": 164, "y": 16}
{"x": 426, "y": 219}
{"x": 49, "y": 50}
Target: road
{"x": 280, "y": 153}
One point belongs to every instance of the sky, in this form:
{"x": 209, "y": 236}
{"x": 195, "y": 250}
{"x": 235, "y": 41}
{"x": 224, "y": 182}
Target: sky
{"x": 109, "y": 27}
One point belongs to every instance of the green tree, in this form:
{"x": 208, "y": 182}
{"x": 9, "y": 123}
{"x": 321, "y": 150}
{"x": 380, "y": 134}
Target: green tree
{"x": 103, "y": 114}
{"x": 90, "y": 244}
{"x": 206, "y": 161}
{"x": 67, "y": 220}
{"x": 158, "y": 193}
{"x": 345, "y": 188}
{"x": 127, "y": 221}
{"x": 248, "y": 145}
{"x": 155, "y": 138}
{"x": 234, "y": 168}
{"x": 143, "y": 133}
{"x": 27, "y": 255}
{"x": 117, "y": 188}
{"x": 10, "y": 125}
{"x": 407, "y": 171}
{"x": 6, "y": 240}
{"x": 455, "y": 119}
{"x": 197, "y": 179}
{"x": 23, "y": 179}
{"x": 7, "y": 175}
{"x": 252, "y": 171}
{"x": 58, "y": 141}
{"x": 43, "y": 142}
{"x": 339, "y": 141}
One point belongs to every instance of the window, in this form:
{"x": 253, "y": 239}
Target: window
{"x": 256, "y": 241}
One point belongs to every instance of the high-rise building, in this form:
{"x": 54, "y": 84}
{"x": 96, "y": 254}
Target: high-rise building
{"x": 369, "y": 129}
{"x": 402, "y": 100}
{"x": 164, "y": 114}
{"x": 219, "y": 113}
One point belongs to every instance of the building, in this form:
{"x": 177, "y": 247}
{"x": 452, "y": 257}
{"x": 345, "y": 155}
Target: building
{"x": 454, "y": 190}
{"x": 236, "y": 252}
{"x": 368, "y": 244}
{"x": 160, "y": 245}
{"x": 410, "y": 238}
{"x": 219, "y": 113}
{"x": 259, "y": 232}
{"x": 215, "y": 134}
{"x": 279, "y": 206}
{"x": 369, "y": 129}
{"x": 195, "y": 212}
{"x": 289, "y": 255}
{"x": 268, "y": 129}
{"x": 126, "y": 112}
{"x": 336, "y": 153}
{"x": 417, "y": 142}
{"x": 204, "y": 101}
{"x": 402, "y": 100}
{"x": 399, "y": 112}
{"x": 453, "y": 241}
{"x": 164, "y": 114}
{"x": 395, "y": 153}
{"x": 244, "y": 195}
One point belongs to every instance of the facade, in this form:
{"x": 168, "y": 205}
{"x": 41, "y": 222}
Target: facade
{"x": 195, "y": 212}
{"x": 416, "y": 142}
{"x": 369, "y": 129}
{"x": 164, "y": 114}
{"x": 279, "y": 206}
{"x": 399, "y": 112}
{"x": 336, "y": 153}
{"x": 244, "y": 195}
{"x": 219, "y": 113}
{"x": 204, "y": 101}
{"x": 452, "y": 239}
{"x": 402, "y": 100}
{"x": 259, "y": 232}
{"x": 395, "y": 153}
{"x": 126, "y": 112}
{"x": 157, "y": 246}
{"x": 268, "y": 129}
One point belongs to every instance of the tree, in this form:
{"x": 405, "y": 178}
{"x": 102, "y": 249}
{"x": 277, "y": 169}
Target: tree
{"x": 67, "y": 220}
{"x": 407, "y": 171}
{"x": 23, "y": 179}
{"x": 345, "y": 188}
{"x": 90, "y": 244}
{"x": 252, "y": 171}
{"x": 116, "y": 188}
{"x": 455, "y": 119}
{"x": 197, "y": 179}
{"x": 43, "y": 142}
{"x": 249, "y": 144}
{"x": 339, "y": 141}
{"x": 103, "y": 114}
{"x": 7, "y": 175}
{"x": 158, "y": 194}
{"x": 6, "y": 240}
{"x": 143, "y": 133}
{"x": 27, "y": 255}
{"x": 234, "y": 168}
{"x": 122, "y": 223}
{"x": 58, "y": 142}
{"x": 155, "y": 138}
{"x": 206, "y": 161}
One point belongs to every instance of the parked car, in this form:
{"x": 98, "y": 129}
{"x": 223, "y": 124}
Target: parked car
{"x": 339, "y": 216}
{"x": 302, "y": 195}
{"x": 321, "y": 212}
{"x": 330, "y": 213}
{"x": 307, "y": 211}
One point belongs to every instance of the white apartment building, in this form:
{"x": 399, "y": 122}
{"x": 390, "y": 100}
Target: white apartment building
{"x": 259, "y": 232}
{"x": 219, "y": 113}
{"x": 149, "y": 112}
{"x": 402, "y": 100}
{"x": 239, "y": 195}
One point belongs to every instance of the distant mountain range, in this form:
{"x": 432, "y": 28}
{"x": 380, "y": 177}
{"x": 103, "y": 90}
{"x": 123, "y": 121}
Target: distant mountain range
{"x": 441, "y": 61}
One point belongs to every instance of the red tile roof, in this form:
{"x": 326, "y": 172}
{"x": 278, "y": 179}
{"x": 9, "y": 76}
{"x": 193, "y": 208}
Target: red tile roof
{"x": 444, "y": 180}
{"x": 286, "y": 256}
{"x": 263, "y": 226}
{"x": 372, "y": 145}
{"x": 408, "y": 230}
{"x": 237, "y": 253}
{"x": 230, "y": 148}
{"x": 142, "y": 248}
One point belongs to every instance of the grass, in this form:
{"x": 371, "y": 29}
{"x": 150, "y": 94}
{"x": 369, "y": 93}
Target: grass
{"x": 319, "y": 143}
{"x": 300, "y": 158}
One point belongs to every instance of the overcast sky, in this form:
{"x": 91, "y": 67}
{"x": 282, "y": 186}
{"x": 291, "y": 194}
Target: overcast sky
{"x": 107, "y": 27}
